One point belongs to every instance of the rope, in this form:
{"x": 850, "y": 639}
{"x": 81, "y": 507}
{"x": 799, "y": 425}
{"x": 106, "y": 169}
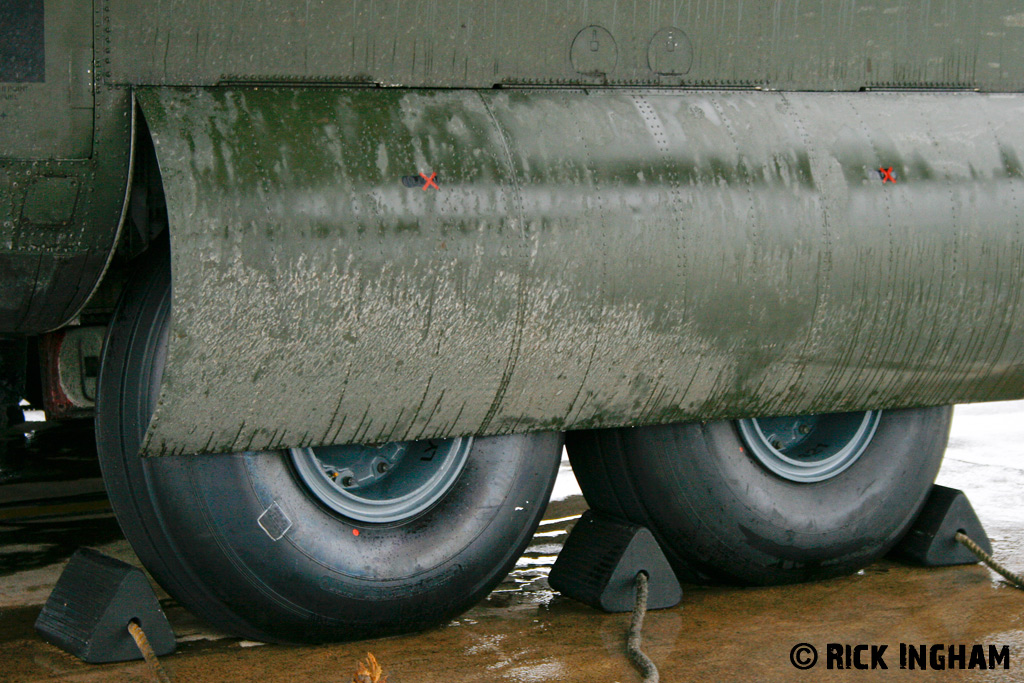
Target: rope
{"x": 147, "y": 651}
{"x": 636, "y": 655}
{"x": 966, "y": 541}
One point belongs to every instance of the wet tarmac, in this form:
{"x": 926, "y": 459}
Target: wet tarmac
{"x": 524, "y": 631}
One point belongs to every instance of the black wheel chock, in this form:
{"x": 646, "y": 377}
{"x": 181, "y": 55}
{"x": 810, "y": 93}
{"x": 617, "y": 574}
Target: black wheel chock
{"x": 89, "y": 610}
{"x": 601, "y": 559}
{"x": 931, "y": 540}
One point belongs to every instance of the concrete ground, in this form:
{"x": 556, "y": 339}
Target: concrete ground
{"x": 526, "y": 632}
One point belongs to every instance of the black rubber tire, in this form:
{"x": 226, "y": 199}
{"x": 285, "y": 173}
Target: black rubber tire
{"x": 721, "y": 516}
{"x": 194, "y": 521}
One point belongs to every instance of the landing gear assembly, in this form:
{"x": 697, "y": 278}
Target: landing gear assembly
{"x": 356, "y": 541}
{"x": 767, "y": 501}
{"x": 316, "y": 544}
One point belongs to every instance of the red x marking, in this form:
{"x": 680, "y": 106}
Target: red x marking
{"x": 430, "y": 181}
{"x": 887, "y": 175}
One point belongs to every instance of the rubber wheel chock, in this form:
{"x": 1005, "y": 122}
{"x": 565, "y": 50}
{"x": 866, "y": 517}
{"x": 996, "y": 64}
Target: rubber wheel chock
{"x": 931, "y": 539}
{"x": 600, "y": 560}
{"x": 87, "y": 613}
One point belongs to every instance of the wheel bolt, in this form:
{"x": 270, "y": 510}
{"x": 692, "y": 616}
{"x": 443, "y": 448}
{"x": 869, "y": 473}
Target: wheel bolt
{"x": 805, "y": 429}
{"x": 777, "y": 445}
{"x": 382, "y": 467}
{"x": 347, "y": 482}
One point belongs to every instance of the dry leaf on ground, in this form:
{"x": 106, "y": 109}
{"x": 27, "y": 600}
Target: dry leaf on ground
{"x": 369, "y": 671}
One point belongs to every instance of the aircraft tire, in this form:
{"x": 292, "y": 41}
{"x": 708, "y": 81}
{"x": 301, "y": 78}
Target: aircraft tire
{"x": 722, "y": 515}
{"x": 240, "y": 540}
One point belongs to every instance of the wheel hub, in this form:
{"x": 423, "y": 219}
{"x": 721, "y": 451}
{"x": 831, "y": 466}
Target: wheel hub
{"x": 382, "y": 483}
{"x": 809, "y": 448}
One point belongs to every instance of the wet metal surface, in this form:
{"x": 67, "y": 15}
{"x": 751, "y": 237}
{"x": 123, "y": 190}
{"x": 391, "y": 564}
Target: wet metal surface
{"x": 587, "y": 259}
{"x": 526, "y": 632}
{"x": 449, "y": 43}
